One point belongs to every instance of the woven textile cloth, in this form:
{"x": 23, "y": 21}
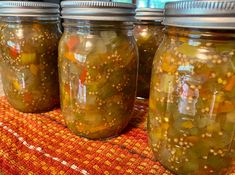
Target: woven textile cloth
{"x": 42, "y": 144}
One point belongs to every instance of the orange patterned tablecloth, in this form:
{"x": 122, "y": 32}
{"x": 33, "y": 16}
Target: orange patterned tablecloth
{"x": 41, "y": 144}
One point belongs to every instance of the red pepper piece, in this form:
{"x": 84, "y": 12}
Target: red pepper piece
{"x": 225, "y": 107}
{"x": 72, "y": 42}
{"x": 231, "y": 84}
{"x": 14, "y": 52}
{"x": 83, "y": 75}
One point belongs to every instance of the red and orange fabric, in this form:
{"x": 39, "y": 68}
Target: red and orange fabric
{"x": 41, "y": 144}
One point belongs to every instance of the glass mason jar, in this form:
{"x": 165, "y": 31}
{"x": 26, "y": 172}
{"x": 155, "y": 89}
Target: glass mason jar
{"x": 28, "y": 47}
{"x": 191, "y": 122}
{"x": 97, "y": 70}
{"x": 148, "y": 33}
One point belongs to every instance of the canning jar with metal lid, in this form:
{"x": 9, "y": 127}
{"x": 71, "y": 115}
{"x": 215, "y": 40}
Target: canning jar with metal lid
{"x": 191, "y": 122}
{"x": 97, "y": 67}
{"x": 148, "y": 33}
{"x": 29, "y": 37}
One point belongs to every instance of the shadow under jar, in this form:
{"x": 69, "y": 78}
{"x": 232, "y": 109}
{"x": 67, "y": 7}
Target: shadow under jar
{"x": 28, "y": 50}
{"x": 191, "y": 122}
{"x": 97, "y": 68}
{"x": 148, "y": 33}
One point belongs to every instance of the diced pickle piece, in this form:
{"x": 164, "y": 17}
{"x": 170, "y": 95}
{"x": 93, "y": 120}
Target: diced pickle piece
{"x": 187, "y": 124}
{"x": 167, "y": 83}
{"x": 173, "y": 132}
{"x": 106, "y": 91}
{"x": 231, "y": 117}
{"x": 217, "y": 162}
{"x": 203, "y": 122}
{"x": 16, "y": 84}
{"x": 126, "y": 53}
{"x": 224, "y": 47}
{"x": 28, "y": 58}
{"x": 92, "y": 118}
{"x": 152, "y": 104}
{"x": 168, "y": 63}
{"x": 96, "y": 85}
{"x": 94, "y": 59}
{"x": 220, "y": 141}
{"x": 108, "y": 36}
{"x": 188, "y": 50}
{"x": 100, "y": 47}
{"x": 115, "y": 105}
{"x": 156, "y": 135}
{"x": 200, "y": 149}
{"x": 75, "y": 69}
{"x": 161, "y": 107}
{"x": 213, "y": 127}
{"x": 34, "y": 69}
{"x": 190, "y": 167}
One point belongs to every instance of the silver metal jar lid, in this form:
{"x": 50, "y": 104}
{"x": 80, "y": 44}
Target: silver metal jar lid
{"x": 29, "y": 9}
{"x": 204, "y": 14}
{"x": 149, "y": 14}
{"x": 98, "y": 10}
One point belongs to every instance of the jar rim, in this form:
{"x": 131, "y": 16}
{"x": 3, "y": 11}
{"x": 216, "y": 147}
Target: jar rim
{"x": 29, "y": 9}
{"x": 98, "y": 10}
{"x": 205, "y": 14}
{"x": 149, "y": 14}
